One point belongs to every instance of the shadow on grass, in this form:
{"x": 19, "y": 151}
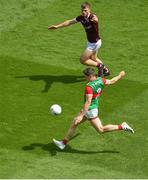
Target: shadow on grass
{"x": 114, "y": 97}
{"x": 49, "y": 79}
{"x": 52, "y": 149}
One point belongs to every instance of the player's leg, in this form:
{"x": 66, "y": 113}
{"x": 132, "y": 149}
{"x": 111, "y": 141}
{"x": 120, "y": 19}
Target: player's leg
{"x": 97, "y": 124}
{"x": 86, "y": 60}
{"x": 94, "y": 57}
{"x": 71, "y": 131}
{"x": 72, "y": 128}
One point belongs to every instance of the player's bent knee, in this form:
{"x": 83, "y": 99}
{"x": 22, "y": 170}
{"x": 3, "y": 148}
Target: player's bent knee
{"x": 101, "y": 130}
{"x": 82, "y": 60}
{"x": 93, "y": 58}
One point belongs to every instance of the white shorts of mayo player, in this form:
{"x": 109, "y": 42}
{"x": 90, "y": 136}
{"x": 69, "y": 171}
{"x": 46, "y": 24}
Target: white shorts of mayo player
{"x": 93, "y": 113}
{"x": 94, "y": 46}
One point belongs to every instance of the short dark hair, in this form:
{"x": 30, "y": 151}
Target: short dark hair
{"x": 89, "y": 71}
{"x": 84, "y": 5}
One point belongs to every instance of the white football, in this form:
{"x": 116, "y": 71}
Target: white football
{"x": 55, "y": 109}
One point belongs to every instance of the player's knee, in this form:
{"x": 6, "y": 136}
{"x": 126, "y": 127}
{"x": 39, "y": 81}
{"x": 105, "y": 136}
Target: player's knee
{"x": 82, "y": 60}
{"x": 93, "y": 58}
{"x": 101, "y": 130}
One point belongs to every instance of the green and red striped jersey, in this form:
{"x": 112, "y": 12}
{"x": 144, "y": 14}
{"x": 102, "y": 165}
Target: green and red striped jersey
{"x": 95, "y": 88}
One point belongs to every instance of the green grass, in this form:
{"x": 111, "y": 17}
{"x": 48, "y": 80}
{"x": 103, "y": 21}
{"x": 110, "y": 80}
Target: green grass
{"x": 39, "y": 68}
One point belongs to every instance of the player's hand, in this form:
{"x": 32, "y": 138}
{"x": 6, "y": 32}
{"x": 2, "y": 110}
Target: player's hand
{"x": 94, "y": 19}
{"x": 53, "y": 27}
{"x": 122, "y": 73}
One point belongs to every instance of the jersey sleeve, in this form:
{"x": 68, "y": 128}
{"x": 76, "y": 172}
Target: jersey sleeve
{"x": 75, "y": 20}
{"x": 78, "y": 19}
{"x": 104, "y": 80}
{"x": 93, "y": 15}
{"x": 88, "y": 90}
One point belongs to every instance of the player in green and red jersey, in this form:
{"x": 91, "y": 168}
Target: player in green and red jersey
{"x": 89, "y": 112}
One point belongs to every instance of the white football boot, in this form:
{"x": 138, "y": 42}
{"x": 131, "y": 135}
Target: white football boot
{"x": 126, "y": 127}
{"x": 59, "y": 144}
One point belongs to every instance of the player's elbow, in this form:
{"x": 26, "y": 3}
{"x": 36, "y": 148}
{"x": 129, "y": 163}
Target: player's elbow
{"x": 111, "y": 81}
{"x": 67, "y": 23}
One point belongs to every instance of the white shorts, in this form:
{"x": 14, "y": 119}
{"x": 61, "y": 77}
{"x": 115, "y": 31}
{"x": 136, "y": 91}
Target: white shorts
{"x": 93, "y": 113}
{"x": 94, "y": 46}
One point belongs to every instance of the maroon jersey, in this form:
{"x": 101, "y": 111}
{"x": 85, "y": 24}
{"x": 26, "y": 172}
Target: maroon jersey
{"x": 91, "y": 28}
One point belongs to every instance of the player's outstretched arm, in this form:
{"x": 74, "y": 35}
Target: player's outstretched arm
{"x": 116, "y": 78}
{"x": 64, "y": 24}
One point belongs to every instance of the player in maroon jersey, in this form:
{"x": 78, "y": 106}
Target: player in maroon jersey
{"x": 90, "y": 23}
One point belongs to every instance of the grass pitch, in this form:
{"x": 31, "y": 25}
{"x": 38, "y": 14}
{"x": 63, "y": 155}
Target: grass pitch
{"x": 39, "y": 68}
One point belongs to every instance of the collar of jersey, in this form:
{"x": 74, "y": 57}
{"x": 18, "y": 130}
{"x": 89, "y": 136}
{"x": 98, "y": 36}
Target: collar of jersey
{"x": 88, "y": 15}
